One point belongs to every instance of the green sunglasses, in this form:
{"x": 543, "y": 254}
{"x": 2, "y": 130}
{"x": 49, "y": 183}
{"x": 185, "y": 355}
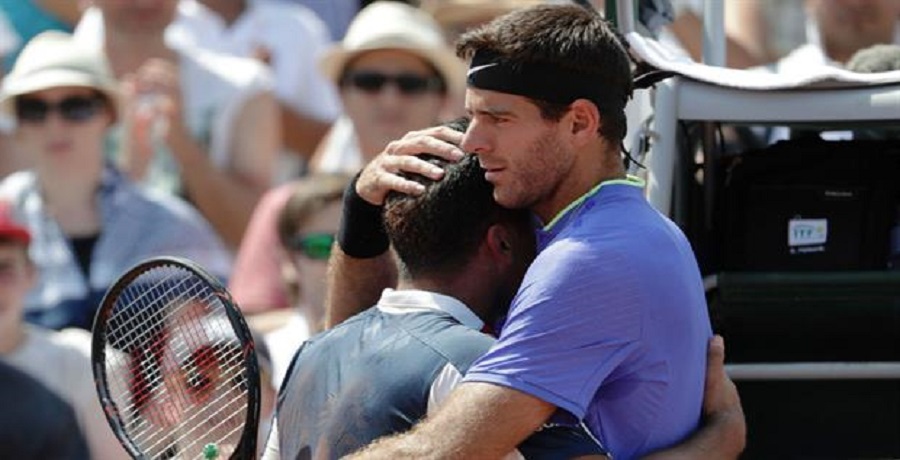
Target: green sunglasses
{"x": 316, "y": 246}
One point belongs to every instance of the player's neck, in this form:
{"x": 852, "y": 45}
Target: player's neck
{"x": 471, "y": 294}
{"x": 585, "y": 174}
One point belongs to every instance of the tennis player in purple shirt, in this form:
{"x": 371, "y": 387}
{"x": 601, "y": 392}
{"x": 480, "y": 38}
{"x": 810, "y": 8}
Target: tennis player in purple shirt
{"x": 610, "y": 324}
{"x": 609, "y": 328}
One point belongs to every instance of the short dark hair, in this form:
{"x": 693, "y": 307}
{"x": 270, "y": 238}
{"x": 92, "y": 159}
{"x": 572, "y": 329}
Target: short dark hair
{"x": 440, "y": 230}
{"x": 565, "y": 37}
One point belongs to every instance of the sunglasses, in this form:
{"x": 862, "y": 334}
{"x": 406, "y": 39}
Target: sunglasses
{"x": 72, "y": 108}
{"x": 409, "y": 84}
{"x": 316, "y": 246}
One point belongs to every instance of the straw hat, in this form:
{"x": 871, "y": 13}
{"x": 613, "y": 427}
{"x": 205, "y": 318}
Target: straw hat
{"x": 53, "y": 59}
{"x": 394, "y": 25}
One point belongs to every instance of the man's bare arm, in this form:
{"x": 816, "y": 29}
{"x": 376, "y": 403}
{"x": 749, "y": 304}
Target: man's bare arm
{"x": 490, "y": 421}
{"x": 355, "y": 284}
{"x": 479, "y": 420}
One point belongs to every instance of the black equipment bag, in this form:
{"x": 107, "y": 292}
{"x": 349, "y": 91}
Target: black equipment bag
{"x": 809, "y": 205}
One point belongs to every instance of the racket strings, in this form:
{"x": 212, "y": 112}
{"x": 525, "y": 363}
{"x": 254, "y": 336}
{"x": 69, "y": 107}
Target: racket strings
{"x": 177, "y": 374}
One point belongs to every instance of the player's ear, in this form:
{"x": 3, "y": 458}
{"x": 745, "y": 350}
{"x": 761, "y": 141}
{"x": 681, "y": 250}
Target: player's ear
{"x": 583, "y": 120}
{"x": 499, "y": 242}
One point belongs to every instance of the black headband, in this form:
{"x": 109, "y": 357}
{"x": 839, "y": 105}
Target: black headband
{"x": 548, "y": 83}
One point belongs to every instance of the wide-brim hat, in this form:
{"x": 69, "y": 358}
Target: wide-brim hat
{"x": 394, "y": 25}
{"x": 54, "y": 59}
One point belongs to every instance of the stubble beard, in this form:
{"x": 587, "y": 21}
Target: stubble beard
{"x": 540, "y": 178}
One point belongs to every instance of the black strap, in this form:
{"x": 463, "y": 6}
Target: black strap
{"x": 361, "y": 234}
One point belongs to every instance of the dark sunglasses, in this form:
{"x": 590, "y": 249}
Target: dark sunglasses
{"x": 408, "y": 83}
{"x": 73, "y": 108}
{"x": 316, "y": 246}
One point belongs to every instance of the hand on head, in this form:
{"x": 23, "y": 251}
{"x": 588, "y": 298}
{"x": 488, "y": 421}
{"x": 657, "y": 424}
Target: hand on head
{"x": 382, "y": 174}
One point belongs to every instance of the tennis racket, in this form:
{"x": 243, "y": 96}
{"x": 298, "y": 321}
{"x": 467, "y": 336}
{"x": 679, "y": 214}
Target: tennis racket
{"x": 175, "y": 366}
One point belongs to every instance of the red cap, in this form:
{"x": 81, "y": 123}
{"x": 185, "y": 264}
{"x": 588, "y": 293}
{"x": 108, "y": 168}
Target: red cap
{"x": 10, "y": 228}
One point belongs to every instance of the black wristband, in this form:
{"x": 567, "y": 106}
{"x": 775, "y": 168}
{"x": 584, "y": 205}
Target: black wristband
{"x": 361, "y": 234}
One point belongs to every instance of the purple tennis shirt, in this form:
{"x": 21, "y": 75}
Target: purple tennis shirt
{"x": 610, "y": 324}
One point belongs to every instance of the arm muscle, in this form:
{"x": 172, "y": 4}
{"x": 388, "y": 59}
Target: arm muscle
{"x": 479, "y": 420}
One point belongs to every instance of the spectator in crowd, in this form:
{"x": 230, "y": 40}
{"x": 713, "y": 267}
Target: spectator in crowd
{"x": 594, "y": 304}
{"x": 35, "y": 423}
{"x": 44, "y": 354}
{"x": 89, "y": 222}
{"x": 836, "y": 29}
{"x": 199, "y": 124}
{"x": 270, "y": 32}
{"x": 395, "y": 73}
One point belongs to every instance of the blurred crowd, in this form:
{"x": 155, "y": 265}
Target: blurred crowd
{"x": 225, "y": 131}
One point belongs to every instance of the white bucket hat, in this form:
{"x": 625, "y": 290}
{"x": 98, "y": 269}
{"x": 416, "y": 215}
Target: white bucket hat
{"x": 395, "y": 25}
{"x": 53, "y": 59}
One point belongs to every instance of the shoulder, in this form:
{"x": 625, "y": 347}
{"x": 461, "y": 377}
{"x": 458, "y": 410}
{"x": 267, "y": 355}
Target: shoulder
{"x": 458, "y": 345}
{"x": 572, "y": 257}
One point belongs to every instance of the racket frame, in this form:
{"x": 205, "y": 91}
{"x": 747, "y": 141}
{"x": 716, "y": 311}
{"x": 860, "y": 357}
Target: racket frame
{"x": 246, "y": 449}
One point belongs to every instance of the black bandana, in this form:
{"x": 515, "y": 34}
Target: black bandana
{"x": 537, "y": 81}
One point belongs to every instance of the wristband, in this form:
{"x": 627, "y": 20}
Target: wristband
{"x": 361, "y": 234}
